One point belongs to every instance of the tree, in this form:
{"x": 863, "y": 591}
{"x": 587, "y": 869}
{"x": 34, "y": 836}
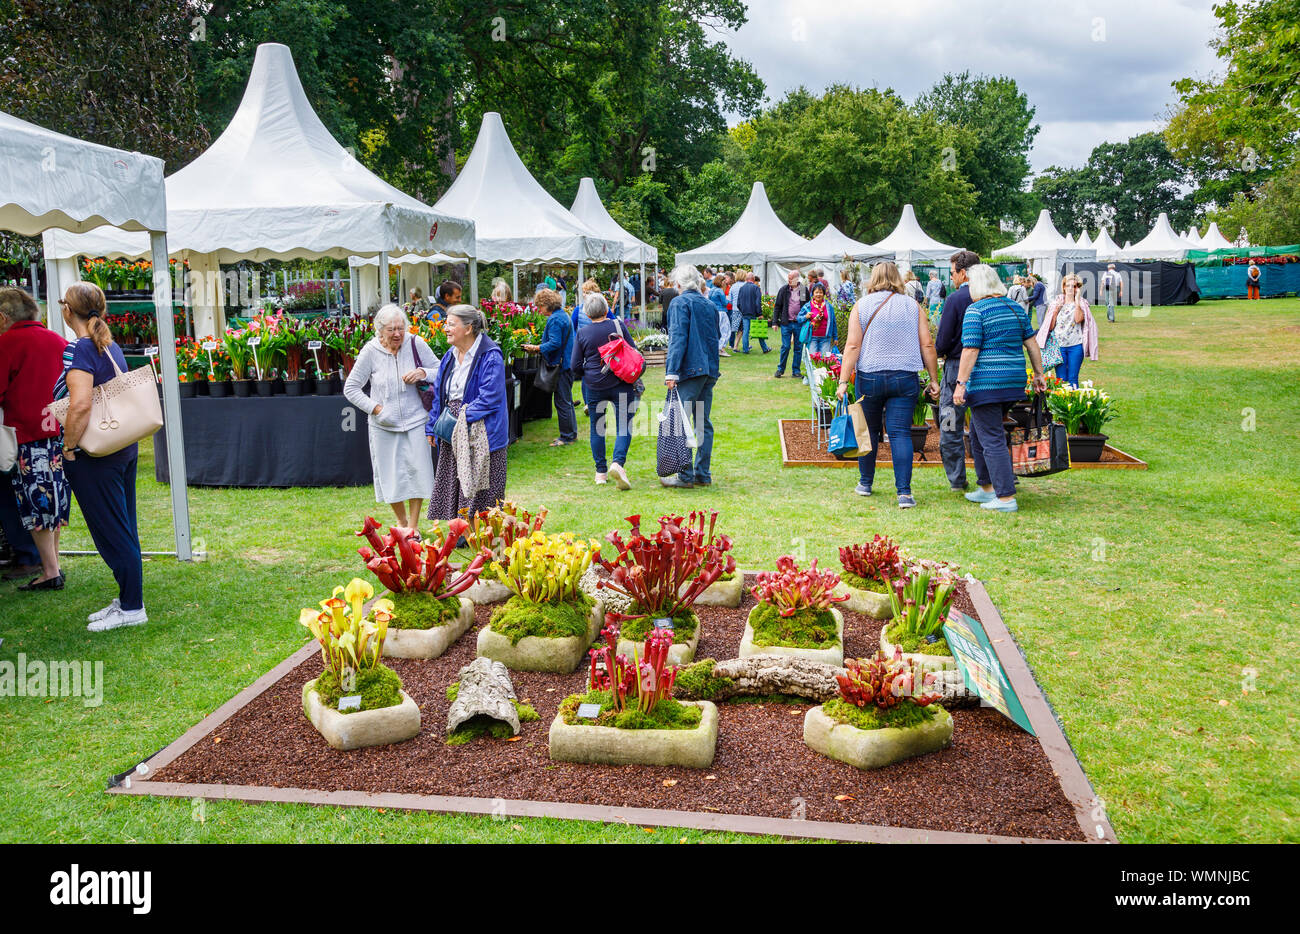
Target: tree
{"x": 1270, "y": 215}
{"x": 1235, "y": 130}
{"x": 995, "y": 154}
{"x": 1067, "y": 194}
{"x": 103, "y": 73}
{"x": 854, "y": 158}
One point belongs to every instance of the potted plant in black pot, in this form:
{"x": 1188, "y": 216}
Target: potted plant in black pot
{"x": 919, "y": 427}
{"x": 1083, "y": 411}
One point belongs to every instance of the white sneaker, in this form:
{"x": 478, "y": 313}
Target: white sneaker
{"x": 119, "y": 618}
{"x": 620, "y": 477}
{"x": 100, "y": 614}
{"x": 600, "y": 479}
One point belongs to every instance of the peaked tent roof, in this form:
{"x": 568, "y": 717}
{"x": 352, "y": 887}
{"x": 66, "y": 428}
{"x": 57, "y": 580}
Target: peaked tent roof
{"x": 49, "y": 180}
{"x": 909, "y": 243}
{"x": 832, "y": 246}
{"x": 1083, "y": 242}
{"x": 1044, "y": 240}
{"x": 276, "y": 185}
{"x": 1214, "y": 240}
{"x": 1163, "y": 242}
{"x": 1106, "y": 248}
{"x": 1069, "y": 239}
{"x": 588, "y": 208}
{"x": 515, "y": 218}
{"x": 1193, "y": 236}
{"x": 757, "y": 234}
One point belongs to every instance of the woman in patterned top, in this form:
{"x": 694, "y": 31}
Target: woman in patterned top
{"x": 995, "y": 334}
{"x": 1070, "y": 319}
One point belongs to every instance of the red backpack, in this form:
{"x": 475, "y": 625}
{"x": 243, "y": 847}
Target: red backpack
{"x": 622, "y": 358}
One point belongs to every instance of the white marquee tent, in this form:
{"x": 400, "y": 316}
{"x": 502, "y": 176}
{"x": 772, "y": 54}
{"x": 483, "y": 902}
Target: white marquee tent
{"x": 1107, "y": 249}
{"x": 48, "y": 180}
{"x": 276, "y": 185}
{"x": 833, "y": 246}
{"x": 1083, "y": 242}
{"x": 1193, "y": 236}
{"x": 910, "y": 244}
{"x": 588, "y": 208}
{"x": 1046, "y": 249}
{"x": 1163, "y": 242}
{"x": 1214, "y": 240}
{"x": 757, "y": 234}
{"x": 1069, "y": 240}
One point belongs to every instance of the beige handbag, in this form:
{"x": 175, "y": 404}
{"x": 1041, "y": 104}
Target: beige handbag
{"x": 124, "y": 410}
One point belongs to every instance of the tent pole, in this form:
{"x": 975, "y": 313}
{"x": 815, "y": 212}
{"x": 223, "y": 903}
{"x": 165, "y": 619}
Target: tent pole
{"x": 643, "y": 294}
{"x": 353, "y": 287}
{"x": 578, "y": 285}
{"x": 621, "y": 293}
{"x": 473, "y": 281}
{"x": 385, "y": 293}
{"x": 514, "y": 281}
{"x": 162, "y": 303}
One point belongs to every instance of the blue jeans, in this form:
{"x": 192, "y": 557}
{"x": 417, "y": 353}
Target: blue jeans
{"x": 989, "y": 451}
{"x": 889, "y": 396}
{"x": 821, "y": 345}
{"x": 789, "y": 333}
{"x": 611, "y": 414}
{"x": 761, "y": 341}
{"x": 697, "y": 398}
{"x": 1071, "y": 363}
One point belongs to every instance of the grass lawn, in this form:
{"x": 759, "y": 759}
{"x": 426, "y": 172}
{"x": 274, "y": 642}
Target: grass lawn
{"x": 1143, "y": 599}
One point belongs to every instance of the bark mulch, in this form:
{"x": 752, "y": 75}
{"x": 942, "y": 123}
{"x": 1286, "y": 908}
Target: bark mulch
{"x": 994, "y": 779}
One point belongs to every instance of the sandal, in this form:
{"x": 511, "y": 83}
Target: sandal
{"x": 559, "y": 443}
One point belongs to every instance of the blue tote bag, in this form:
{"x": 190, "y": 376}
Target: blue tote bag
{"x": 843, "y": 440}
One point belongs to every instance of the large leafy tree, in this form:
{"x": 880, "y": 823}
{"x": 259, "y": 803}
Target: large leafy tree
{"x": 994, "y": 156}
{"x": 1270, "y": 215}
{"x": 854, "y": 158}
{"x": 1235, "y": 129}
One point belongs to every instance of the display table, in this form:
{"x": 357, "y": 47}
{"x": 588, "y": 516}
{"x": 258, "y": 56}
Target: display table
{"x": 276, "y": 441}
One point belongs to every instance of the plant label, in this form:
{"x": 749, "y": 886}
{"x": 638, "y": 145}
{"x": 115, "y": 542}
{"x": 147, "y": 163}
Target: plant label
{"x": 351, "y": 702}
{"x": 254, "y": 341}
{"x": 663, "y": 622}
{"x": 585, "y": 711}
{"x": 209, "y": 345}
{"x": 151, "y": 351}
{"x": 314, "y": 345}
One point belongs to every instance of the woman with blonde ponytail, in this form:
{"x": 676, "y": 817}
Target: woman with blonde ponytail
{"x": 104, "y": 486}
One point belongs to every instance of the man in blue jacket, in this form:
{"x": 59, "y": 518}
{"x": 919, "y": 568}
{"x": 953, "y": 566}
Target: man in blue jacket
{"x": 556, "y": 349}
{"x": 749, "y": 301}
{"x": 692, "y": 368}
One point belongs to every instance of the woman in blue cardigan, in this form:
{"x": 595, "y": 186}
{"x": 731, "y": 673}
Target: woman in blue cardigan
{"x": 470, "y": 470}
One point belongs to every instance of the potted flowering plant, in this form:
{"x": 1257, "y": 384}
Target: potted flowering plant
{"x": 868, "y": 568}
{"x": 428, "y": 611}
{"x": 237, "y": 349}
{"x": 795, "y": 614}
{"x": 883, "y": 714}
{"x": 1084, "y": 411}
{"x": 548, "y": 622}
{"x": 662, "y": 575}
{"x": 357, "y": 700}
{"x": 494, "y": 531}
{"x": 628, "y": 715}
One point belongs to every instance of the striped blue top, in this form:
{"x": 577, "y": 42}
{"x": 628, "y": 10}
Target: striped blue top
{"x": 998, "y": 328}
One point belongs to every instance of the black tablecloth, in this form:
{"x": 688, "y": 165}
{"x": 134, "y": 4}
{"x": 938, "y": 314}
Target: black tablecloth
{"x": 272, "y": 441}
{"x": 1155, "y": 283}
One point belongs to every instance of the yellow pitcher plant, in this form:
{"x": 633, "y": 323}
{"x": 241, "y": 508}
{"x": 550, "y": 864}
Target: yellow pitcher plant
{"x": 348, "y": 637}
{"x": 545, "y": 568}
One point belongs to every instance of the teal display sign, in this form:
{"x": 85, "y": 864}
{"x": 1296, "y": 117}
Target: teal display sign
{"x": 980, "y": 667}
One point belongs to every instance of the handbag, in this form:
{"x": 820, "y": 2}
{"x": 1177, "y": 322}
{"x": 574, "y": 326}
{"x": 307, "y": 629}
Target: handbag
{"x": 424, "y": 387}
{"x": 1051, "y": 354}
{"x": 8, "y": 446}
{"x": 443, "y": 425}
{"x": 621, "y": 358}
{"x": 124, "y": 410}
{"x": 546, "y": 376}
{"x": 842, "y": 441}
{"x": 672, "y": 452}
{"x": 1042, "y": 448}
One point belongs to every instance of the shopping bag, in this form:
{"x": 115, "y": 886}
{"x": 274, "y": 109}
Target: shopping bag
{"x": 860, "y": 430}
{"x": 1041, "y": 448}
{"x": 621, "y": 358}
{"x": 758, "y": 328}
{"x": 842, "y": 440}
{"x": 672, "y": 454}
{"x": 1051, "y": 352}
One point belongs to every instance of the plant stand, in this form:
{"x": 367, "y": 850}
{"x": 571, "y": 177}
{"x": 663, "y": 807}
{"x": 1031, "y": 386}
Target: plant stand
{"x": 483, "y": 592}
{"x": 607, "y": 745}
{"x": 866, "y": 602}
{"x": 874, "y": 749}
{"x": 363, "y": 727}
{"x": 432, "y": 642}
{"x": 538, "y": 653}
{"x": 833, "y": 656}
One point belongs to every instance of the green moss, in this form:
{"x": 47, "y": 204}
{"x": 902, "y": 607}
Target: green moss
{"x": 489, "y": 573}
{"x": 684, "y": 625}
{"x": 483, "y": 725}
{"x": 422, "y": 610}
{"x": 696, "y": 682}
{"x": 806, "y": 629}
{"x": 517, "y": 618}
{"x": 667, "y": 715}
{"x": 872, "y": 717}
{"x": 453, "y": 691}
{"x": 916, "y": 644}
{"x": 379, "y": 687}
{"x": 726, "y": 576}
{"x": 861, "y": 583}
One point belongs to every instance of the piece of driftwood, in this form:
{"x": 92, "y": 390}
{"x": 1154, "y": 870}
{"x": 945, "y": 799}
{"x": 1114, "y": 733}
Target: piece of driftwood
{"x": 485, "y": 690}
{"x": 776, "y": 674}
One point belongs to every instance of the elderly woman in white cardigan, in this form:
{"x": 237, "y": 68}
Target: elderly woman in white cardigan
{"x": 395, "y": 363}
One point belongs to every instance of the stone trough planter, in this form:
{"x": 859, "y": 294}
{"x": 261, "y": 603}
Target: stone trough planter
{"x": 866, "y": 602}
{"x": 833, "y": 656}
{"x": 723, "y": 593}
{"x": 874, "y": 749}
{"x": 432, "y": 642}
{"x": 539, "y": 653}
{"x": 681, "y": 653}
{"x": 362, "y": 727}
{"x": 607, "y": 745}
{"x": 484, "y": 592}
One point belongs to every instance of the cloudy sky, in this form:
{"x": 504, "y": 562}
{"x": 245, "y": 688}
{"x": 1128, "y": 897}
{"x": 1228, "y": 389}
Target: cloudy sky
{"x": 1097, "y": 70}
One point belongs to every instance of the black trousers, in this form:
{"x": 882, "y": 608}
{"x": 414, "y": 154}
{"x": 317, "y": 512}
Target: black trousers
{"x": 105, "y": 491}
